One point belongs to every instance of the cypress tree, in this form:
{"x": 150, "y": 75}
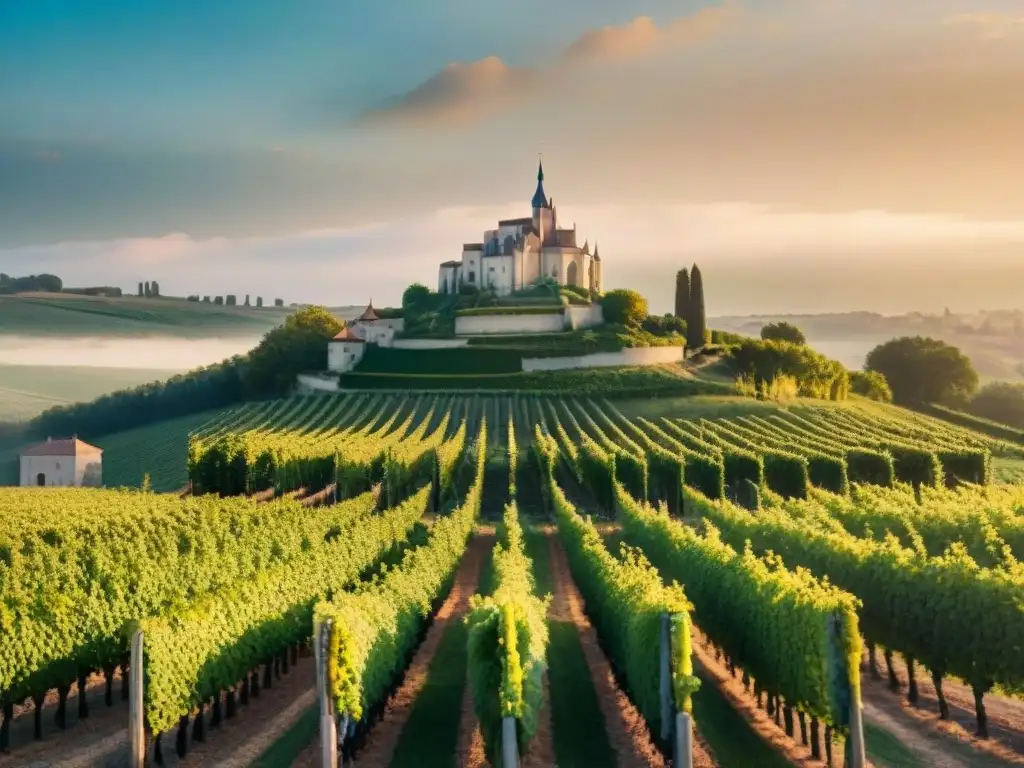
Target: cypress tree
{"x": 696, "y": 321}
{"x": 141, "y": 293}
{"x": 682, "y": 293}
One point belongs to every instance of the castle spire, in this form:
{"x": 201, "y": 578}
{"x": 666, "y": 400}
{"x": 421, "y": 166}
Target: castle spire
{"x": 540, "y": 200}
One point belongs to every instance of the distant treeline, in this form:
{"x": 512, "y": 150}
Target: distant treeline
{"x": 231, "y": 300}
{"x": 268, "y": 371}
{"x": 47, "y": 283}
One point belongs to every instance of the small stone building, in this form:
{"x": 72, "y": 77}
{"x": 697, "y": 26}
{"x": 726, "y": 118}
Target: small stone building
{"x": 346, "y": 349}
{"x": 62, "y": 463}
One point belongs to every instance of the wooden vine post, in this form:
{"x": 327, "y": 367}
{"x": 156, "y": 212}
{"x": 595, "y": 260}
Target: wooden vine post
{"x": 136, "y": 716}
{"x": 328, "y": 727}
{"x": 509, "y": 747}
{"x": 676, "y": 725}
{"x": 845, "y": 694}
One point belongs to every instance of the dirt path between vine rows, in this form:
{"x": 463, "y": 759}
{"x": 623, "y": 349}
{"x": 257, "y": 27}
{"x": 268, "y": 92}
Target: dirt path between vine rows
{"x": 626, "y": 728}
{"x": 1005, "y": 715}
{"x": 745, "y": 705}
{"x": 382, "y": 740}
{"x": 97, "y": 734}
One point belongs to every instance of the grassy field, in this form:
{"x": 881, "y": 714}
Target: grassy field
{"x": 28, "y": 390}
{"x": 69, "y": 315}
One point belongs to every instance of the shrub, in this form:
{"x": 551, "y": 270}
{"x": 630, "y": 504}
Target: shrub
{"x": 624, "y": 307}
{"x": 870, "y": 384}
{"x": 783, "y": 331}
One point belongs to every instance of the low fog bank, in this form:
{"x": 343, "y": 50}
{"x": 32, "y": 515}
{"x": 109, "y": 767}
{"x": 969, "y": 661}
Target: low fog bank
{"x": 153, "y": 352}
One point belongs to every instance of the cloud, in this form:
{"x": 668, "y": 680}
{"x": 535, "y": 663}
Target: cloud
{"x": 989, "y": 26}
{"x": 642, "y": 36}
{"x": 756, "y": 258}
{"x": 462, "y": 93}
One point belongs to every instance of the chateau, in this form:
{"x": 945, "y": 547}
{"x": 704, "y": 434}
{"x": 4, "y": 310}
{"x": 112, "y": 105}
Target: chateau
{"x": 520, "y": 252}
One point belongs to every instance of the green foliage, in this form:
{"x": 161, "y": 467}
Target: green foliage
{"x": 300, "y": 344}
{"x": 1001, "y": 402}
{"x": 696, "y": 320}
{"x": 783, "y": 331}
{"x": 484, "y": 311}
{"x": 924, "y": 370}
{"x": 375, "y": 627}
{"x": 416, "y": 298}
{"x": 454, "y": 360}
{"x": 872, "y": 385}
{"x": 977, "y": 423}
{"x": 664, "y": 325}
{"x": 946, "y": 612}
{"x": 603, "y": 382}
{"x": 816, "y": 375}
{"x": 208, "y": 647}
{"x": 755, "y": 609}
{"x": 624, "y": 307}
{"x": 508, "y": 639}
{"x": 682, "y": 302}
{"x": 625, "y": 600}
{"x": 100, "y": 547}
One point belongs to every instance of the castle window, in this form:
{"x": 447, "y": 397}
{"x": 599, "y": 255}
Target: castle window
{"x": 472, "y": 276}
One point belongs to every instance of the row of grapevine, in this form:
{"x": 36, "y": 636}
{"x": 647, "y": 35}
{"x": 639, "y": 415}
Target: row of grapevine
{"x": 213, "y": 643}
{"x": 77, "y": 564}
{"x": 797, "y": 636}
{"x": 991, "y": 528}
{"x": 373, "y": 629}
{"x": 947, "y": 612}
{"x": 508, "y": 639}
{"x": 628, "y": 604}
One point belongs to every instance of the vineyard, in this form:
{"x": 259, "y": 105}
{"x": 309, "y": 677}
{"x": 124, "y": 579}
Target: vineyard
{"x": 494, "y": 580}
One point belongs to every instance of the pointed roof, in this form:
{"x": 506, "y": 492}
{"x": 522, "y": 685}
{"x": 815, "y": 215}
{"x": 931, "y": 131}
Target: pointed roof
{"x": 540, "y": 200}
{"x": 597, "y": 257}
{"x": 346, "y": 334}
{"x": 369, "y": 315}
{"x": 72, "y": 447}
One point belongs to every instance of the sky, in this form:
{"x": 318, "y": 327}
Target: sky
{"x": 810, "y": 155}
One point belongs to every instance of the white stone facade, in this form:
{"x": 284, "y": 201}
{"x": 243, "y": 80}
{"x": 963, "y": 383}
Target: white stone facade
{"x": 519, "y": 252}
{"x": 346, "y": 349}
{"x": 63, "y": 464}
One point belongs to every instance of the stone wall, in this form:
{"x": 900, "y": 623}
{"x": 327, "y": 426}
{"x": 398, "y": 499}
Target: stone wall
{"x": 629, "y": 356}
{"x": 482, "y": 325}
{"x": 583, "y": 316}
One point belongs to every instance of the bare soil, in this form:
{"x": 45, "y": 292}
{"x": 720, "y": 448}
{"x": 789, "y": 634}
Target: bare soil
{"x": 1005, "y": 715}
{"x": 381, "y": 741}
{"x": 100, "y": 732}
{"x": 745, "y": 705}
{"x": 626, "y": 729}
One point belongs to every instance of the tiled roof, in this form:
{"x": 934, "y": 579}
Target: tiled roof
{"x": 347, "y": 335}
{"x": 450, "y": 263}
{"x": 369, "y": 314}
{"x": 515, "y": 222}
{"x": 72, "y": 447}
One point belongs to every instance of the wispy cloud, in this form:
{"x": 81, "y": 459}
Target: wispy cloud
{"x": 464, "y": 92}
{"x": 990, "y": 26}
{"x": 810, "y": 260}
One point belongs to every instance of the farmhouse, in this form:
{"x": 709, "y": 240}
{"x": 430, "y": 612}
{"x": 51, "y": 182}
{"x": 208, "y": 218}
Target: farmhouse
{"x": 346, "y": 349}
{"x": 519, "y": 252}
{"x": 62, "y": 463}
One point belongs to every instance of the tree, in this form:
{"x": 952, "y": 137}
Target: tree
{"x": 683, "y": 294}
{"x": 297, "y": 346}
{"x": 1000, "y": 401}
{"x": 278, "y": 302}
{"x": 219, "y": 300}
{"x": 696, "y": 320}
{"x": 155, "y": 288}
{"x": 783, "y": 332}
{"x": 259, "y": 301}
{"x": 416, "y": 297}
{"x": 231, "y": 300}
{"x": 872, "y": 385}
{"x": 148, "y": 290}
{"x": 206, "y": 299}
{"x": 247, "y": 300}
{"x": 624, "y": 307}
{"x": 141, "y": 291}
{"x": 924, "y": 370}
